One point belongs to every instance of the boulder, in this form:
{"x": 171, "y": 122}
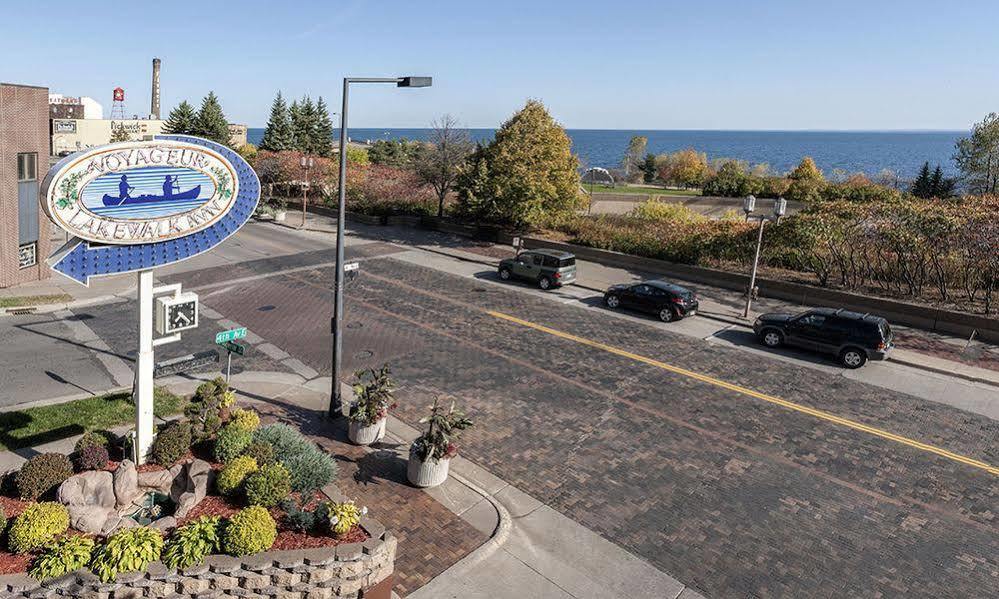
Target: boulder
{"x": 191, "y": 486}
{"x": 90, "y": 500}
{"x": 126, "y": 484}
{"x": 115, "y": 523}
{"x": 159, "y": 481}
{"x": 165, "y": 524}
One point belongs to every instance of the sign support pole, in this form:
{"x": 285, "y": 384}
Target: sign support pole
{"x": 228, "y": 365}
{"x": 143, "y": 397}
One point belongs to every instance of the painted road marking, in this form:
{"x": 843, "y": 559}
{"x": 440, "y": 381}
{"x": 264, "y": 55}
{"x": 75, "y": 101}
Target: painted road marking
{"x": 823, "y": 415}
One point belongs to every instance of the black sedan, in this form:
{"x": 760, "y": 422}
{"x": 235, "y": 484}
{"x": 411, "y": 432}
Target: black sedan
{"x": 666, "y": 300}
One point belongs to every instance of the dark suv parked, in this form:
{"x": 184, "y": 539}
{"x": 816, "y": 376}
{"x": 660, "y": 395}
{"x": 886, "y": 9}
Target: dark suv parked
{"x": 666, "y": 300}
{"x": 546, "y": 268}
{"x": 852, "y": 337}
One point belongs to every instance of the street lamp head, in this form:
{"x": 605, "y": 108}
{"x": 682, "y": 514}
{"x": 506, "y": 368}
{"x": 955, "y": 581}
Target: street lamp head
{"x": 415, "y": 82}
{"x": 780, "y": 207}
{"x": 749, "y": 204}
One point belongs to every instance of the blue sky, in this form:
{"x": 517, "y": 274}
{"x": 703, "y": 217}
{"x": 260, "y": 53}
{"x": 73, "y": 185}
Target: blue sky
{"x": 727, "y": 64}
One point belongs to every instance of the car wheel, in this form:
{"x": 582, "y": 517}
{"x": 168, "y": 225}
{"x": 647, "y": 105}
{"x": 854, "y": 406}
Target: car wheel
{"x": 612, "y": 301}
{"x": 505, "y": 274}
{"x": 667, "y": 315}
{"x": 853, "y": 357}
{"x": 545, "y": 283}
{"x": 772, "y": 338}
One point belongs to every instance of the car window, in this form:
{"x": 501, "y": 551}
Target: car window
{"x": 537, "y": 260}
{"x": 567, "y": 262}
{"x": 643, "y": 290}
{"x": 551, "y": 261}
{"x": 813, "y": 320}
{"x": 659, "y": 292}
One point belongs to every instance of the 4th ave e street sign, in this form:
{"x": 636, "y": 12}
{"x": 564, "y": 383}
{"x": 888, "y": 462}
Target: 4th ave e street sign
{"x": 234, "y": 348}
{"x": 224, "y": 337}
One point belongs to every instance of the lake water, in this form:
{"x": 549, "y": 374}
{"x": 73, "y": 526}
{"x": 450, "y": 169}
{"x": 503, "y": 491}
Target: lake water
{"x": 854, "y": 151}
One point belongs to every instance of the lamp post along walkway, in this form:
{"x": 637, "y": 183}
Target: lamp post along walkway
{"x": 335, "y": 398}
{"x": 748, "y": 206}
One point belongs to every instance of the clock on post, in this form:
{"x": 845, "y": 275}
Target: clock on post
{"x": 176, "y": 313}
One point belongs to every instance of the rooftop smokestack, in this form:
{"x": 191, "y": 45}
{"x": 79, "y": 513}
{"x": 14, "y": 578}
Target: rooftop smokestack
{"x": 154, "y": 103}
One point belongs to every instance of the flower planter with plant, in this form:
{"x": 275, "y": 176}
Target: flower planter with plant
{"x": 372, "y": 401}
{"x": 430, "y": 454}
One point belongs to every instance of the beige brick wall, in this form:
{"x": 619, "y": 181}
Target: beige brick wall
{"x": 24, "y": 127}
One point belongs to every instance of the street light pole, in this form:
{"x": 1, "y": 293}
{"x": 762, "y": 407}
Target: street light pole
{"x": 306, "y": 164}
{"x": 748, "y": 205}
{"x": 335, "y": 397}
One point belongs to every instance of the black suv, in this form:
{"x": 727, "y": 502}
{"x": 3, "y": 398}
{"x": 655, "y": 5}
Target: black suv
{"x": 852, "y": 337}
{"x": 666, "y": 300}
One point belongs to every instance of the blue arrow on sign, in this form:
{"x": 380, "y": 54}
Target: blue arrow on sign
{"x": 80, "y": 260}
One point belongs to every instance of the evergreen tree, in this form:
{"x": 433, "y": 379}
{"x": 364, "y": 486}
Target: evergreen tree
{"x": 211, "y": 122}
{"x": 182, "y": 120}
{"x": 941, "y": 186}
{"x": 648, "y": 168}
{"x": 279, "y": 134}
{"x": 305, "y": 122}
{"x": 324, "y": 129}
{"x": 922, "y": 184}
{"x": 295, "y": 117}
{"x": 978, "y": 156}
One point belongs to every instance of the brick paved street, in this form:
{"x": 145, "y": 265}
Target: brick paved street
{"x": 732, "y": 495}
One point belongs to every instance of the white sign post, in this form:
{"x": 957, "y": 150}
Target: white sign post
{"x": 133, "y": 206}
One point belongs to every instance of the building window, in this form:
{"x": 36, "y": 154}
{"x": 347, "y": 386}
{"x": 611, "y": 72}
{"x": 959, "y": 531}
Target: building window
{"x": 27, "y": 167}
{"x": 27, "y": 255}
{"x": 27, "y": 199}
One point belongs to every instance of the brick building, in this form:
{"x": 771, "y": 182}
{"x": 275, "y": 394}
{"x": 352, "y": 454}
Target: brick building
{"x": 24, "y": 160}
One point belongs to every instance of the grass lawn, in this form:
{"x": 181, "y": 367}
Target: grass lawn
{"x": 33, "y": 300}
{"x": 42, "y": 424}
{"x": 642, "y": 190}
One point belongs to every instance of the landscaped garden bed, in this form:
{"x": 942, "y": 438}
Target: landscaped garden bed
{"x": 218, "y": 483}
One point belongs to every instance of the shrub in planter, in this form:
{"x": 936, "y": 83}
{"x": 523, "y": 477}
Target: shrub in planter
{"x": 268, "y": 485}
{"x": 285, "y": 440}
{"x": 343, "y": 516}
{"x": 373, "y": 400}
{"x": 431, "y": 452}
{"x": 310, "y": 470}
{"x": 128, "y": 550}
{"x": 230, "y": 479}
{"x": 171, "y": 444}
{"x": 92, "y": 457}
{"x": 231, "y": 441}
{"x": 42, "y": 474}
{"x": 209, "y": 407}
{"x": 261, "y": 451}
{"x": 98, "y": 438}
{"x": 192, "y": 542}
{"x": 303, "y": 520}
{"x": 62, "y": 556}
{"x": 38, "y": 524}
{"x": 249, "y": 531}
{"x": 245, "y": 419}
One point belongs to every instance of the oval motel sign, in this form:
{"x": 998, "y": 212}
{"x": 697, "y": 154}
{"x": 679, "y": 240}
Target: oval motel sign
{"x": 139, "y": 205}
{"x": 140, "y": 192}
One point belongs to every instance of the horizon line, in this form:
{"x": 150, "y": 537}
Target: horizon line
{"x": 924, "y": 130}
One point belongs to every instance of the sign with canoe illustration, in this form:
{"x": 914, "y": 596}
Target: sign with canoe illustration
{"x": 141, "y": 192}
{"x": 138, "y": 205}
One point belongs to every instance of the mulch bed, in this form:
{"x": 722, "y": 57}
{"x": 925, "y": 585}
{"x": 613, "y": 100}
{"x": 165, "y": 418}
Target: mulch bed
{"x": 211, "y": 505}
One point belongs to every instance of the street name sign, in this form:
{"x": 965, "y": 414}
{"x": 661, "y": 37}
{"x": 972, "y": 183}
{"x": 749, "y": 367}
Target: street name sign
{"x": 235, "y": 348}
{"x": 232, "y": 334}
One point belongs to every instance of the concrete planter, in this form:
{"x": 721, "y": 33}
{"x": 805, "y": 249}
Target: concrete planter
{"x": 366, "y": 434}
{"x": 427, "y": 474}
{"x": 280, "y": 216}
{"x": 354, "y": 570}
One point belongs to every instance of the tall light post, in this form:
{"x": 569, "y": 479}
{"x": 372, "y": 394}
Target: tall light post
{"x": 748, "y": 206}
{"x": 306, "y": 163}
{"x": 335, "y": 401}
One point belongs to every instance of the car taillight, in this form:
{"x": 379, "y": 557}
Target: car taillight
{"x": 882, "y": 346}
{"x": 558, "y": 275}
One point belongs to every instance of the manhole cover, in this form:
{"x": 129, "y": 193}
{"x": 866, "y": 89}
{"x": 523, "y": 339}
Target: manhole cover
{"x": 267, "y": 308}
{"x": 364, "y": 354}
{"x": 354, "y": 325}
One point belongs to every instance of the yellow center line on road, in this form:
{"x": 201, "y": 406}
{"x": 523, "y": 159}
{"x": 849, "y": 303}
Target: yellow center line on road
{"x": 754, "y": 394}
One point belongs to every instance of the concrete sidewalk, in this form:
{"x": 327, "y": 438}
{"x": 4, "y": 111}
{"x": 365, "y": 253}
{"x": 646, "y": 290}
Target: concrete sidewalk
{"x": 531, "y": 551}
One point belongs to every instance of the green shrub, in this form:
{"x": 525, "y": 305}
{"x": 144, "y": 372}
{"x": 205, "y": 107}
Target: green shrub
{"x": 249, "y": 531}
{"x": 62, "y": 556}
{"x": 230, "y": 479}
{"x": 310, "y": 470}
{"x": 192, "y": 542}
{"x": 92, "y": 457}
{"x": 343, "y": 516}
{"x": 171, "y": 444}
{"x": 38, "y": 524}
{"x": 656, "y": 210}
{"x": 3, "y": 520}
{"x": 205, "y": 410}
{"x": 128, "y": 550}
{"x": 261, "y": 451}
{"x": 41, "y": 474}
{"x": 268, "y": 485}
{"x": 230, "y": 442}
{"x": 97, "y": 438}
{"x": 303, "y": 520}
{"x": 285, "y": 440}
{"x": 245, "y": 419}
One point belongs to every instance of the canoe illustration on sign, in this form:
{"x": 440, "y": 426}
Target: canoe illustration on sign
{"x": 147, "y": 192}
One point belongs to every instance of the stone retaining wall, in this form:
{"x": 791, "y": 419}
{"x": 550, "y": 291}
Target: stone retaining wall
{"x": 353, "y": 570}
